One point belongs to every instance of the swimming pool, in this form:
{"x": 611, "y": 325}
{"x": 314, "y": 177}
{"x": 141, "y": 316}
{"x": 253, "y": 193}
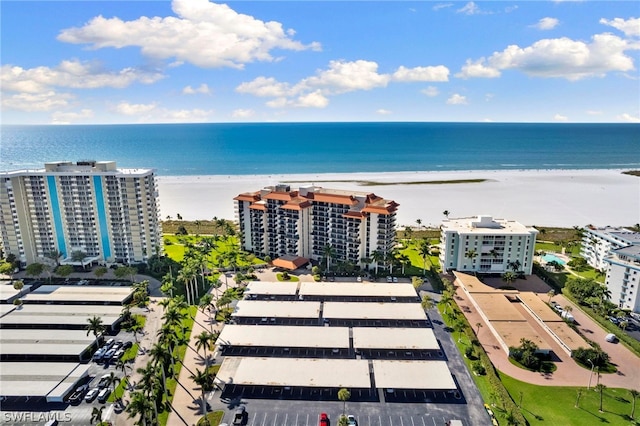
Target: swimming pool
{"x": 553, "y": 258}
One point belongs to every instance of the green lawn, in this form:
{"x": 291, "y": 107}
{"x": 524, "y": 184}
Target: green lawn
{"x": 214, "y": 419}
{"x": 556, "y": 405}
{"x": 556, "y": 248}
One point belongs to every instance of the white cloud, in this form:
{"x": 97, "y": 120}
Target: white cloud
{"x": 343, "y": 77}
{"x": 477, "y": 69}
{"x": 71, "y": 74}
{"x": 202, "y": 89}
{"x": 560, "y": 117}
{"x": 630, "y": 27}
{"x": 205, "y": 34}
{"x": 457, "y": 99}
{"x": 60, "y": 117}
{"x": 32, "y": 102}
{"x": 312, "y": 100}
{"x": 264, "y": 87}
{"x": 437, "y": 73}
{"x": 126, "y": 108}
{"x": 430, "y": 91}
{"x": 383, "y": 111}
{"x": 547, "y": 23}
{"x": 471, "y": 9}
{"x": 488, "y": 97}
{"x": 243, "y": 113}
{"x": 442, "y": 6}
{"x": 628, "y": 117}
{"x": 559, "y": 57}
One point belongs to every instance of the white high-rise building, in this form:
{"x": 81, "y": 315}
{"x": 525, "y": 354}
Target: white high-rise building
{"x": 598, "y": 243}
{"x": 623, "y": 277}
{"x": 278, "y": 221}
{"x": 487, "y": 245}
{"x": 110, "y": 214}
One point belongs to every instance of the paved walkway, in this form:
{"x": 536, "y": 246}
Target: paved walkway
{"x": 568, "y": 372}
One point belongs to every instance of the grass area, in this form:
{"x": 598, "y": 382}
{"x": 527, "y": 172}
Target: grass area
{"x": 556, "y": 405}
{"x": 551, "y": 247}
{"x": 417, "y": 263}
{"x": 213, "y": 419}
{"x": 178, "y": 355}
{"x": 175, "y": 249}
{"x": 130, "y": 354}
{"x": 201, "y": 227}
{"x": 292, "y": 278}
{"x": 119, "y": 392}
{"x": 140, "y": 319}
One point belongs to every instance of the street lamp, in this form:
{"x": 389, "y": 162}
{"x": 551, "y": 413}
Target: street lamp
{"x": 591, "y": 374}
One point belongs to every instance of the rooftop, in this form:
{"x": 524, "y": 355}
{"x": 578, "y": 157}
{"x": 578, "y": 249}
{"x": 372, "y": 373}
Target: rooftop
{"x": 60, "y": 314}
{"x": 485, "y": 224}
{"x": 394, "y": 338}
{"x": 37, "y": 379}
{"x": 268, "y": 288}
{"x": 44, "y": 342}
{"x": 412, "y": 374}
{"x": 367, "y": 310}
{"x": 356, "y": 289}
{"x": 284, "y": 336}
{"x": 259, "y": 308}
{"x": 79, "y": 294}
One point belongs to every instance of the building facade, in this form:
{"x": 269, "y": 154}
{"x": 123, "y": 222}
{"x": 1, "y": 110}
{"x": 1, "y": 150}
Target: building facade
{"x": 486, "y": 245}
{"x": 278, "y": 221}
{"x": 623, "y": 277}
{"x": 110, "y": 214}
{"x": 598, "y": 243}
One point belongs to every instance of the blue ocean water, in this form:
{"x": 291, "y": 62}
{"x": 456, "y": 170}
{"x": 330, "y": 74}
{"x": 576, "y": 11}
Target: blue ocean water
{"x": 282, "y": 148}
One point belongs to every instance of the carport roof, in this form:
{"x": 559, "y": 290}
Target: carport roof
{"x": 78, "y": 294}
{"x": 394, "y": 338}
{"x": 44, "y": 342}
{"x": 356, "y": 289}
{"x": 51, "y": 379}
{"x": 61, "y": 314}
{"x": 372, "y": 310}
{"x": 7, "y": 291}
{"x": 496, "y": 307}
{"x": 263, "y": 287}
{"x": 275, "y": 309}
{"x": 303, "y": 372}
{"x": 412, "y": 374}
{"x": 284, "y": 336}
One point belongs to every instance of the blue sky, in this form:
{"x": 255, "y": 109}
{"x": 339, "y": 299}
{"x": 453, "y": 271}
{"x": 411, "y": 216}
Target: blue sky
{"x": 107, "y": 62}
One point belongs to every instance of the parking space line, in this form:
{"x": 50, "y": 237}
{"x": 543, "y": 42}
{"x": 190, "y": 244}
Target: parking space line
{"x": 434, "y": 421}
{"x": 412, "y": 423}
{"x": 401, "y": 421}
{"x": 275, "y": 420}
{"x": 423, "y": 423}
{"x": 286, "y": 416}
{"x": 390, "y": 421}
{"x": 296, "y": 419}
{"x": 265, "y": 419}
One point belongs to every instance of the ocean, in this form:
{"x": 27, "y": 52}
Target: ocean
{"x": 287, "y": 148}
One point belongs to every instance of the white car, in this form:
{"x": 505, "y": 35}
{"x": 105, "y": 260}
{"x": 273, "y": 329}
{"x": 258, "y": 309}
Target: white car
{"x": 351, "y": 420}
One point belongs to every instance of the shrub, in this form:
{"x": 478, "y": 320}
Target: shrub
{"x": 478, "y": 368}
{"x": 469, "y": 352}
{"x": 317, "y": 277}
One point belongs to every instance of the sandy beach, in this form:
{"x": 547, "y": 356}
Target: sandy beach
{"x": 533, "y": 197}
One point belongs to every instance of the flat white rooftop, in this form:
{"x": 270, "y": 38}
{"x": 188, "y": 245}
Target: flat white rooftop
{"x": 259, "y": 308}
{"x": 44, "y": 342}
{"x": 284, "y": 336}
{"x": 412, "y": 374}
{"x": 306, "y": 372}
{"x": 7, "y": 291}
{"x": 78, "y": 294}
{"x": 268, "y": 288}
{"x": 38, "y": 379}
{"x": 61, "y": 314}
{"x": 356, "y": 289}
{"x": 367, "y": 310}
{"x": 394, "y": 338}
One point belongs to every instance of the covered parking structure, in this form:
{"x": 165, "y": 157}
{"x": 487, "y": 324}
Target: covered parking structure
{"x": 285, "y": 341}
{"x": 369, "y": 314}
{"x": 36, "y": 380}
{"x": 294, "y": 378}
{"x": 8, "y": 294}
{"x": 80, "y": 295}
{"x": 416, "y": 381}
{"x": 70, "y": 317}
{"x": 255, "y": 312}
{"x": 396, "y": 343}
{"x": 263, "y": 290}
{"x": 45, "y": 345}
{"x": 358, "y": 292}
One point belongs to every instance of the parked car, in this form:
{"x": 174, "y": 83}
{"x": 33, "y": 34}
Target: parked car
{"x": 103, "y": 381}
{"x": 395, "y": 279}
{"x": 109, "y": 343}
{"x": 118, "y": 354}
{"x": 77, "y": 394}
{"x": 108, "y": 355}
{"x": 351, "y": 420}
{"x": 324, "y": 419}
{"x": 103, "y": 395}
{"x": 117, "y": 345}
{"x": 126, "y": 345}
{"x": 239, "y": 416}
{"x": 97, "y": 357}
{"x": 91, "y": 395}
{"x": 611, "y": 338}
{"x": 389, "y": 279}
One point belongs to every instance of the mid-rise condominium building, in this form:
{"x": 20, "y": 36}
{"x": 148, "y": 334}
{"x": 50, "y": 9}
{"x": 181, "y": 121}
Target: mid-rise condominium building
{"x": 623, "y": 277}
{"x": 598, "y": 243}
{"x": 278, "y": 221}
{"x": 487, "y": 245}
{"x": 110, "y": 214}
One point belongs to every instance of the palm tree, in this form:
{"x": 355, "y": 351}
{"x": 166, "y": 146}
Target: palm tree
{"x": 329, "y": 253}
{"x": 478, "y": 326}
{"x": 344, "y": 395}
{"x": 550, "y": 293}
{"x": 600, "y": 388}
{"x": 427, "y": 302}
{"x": 79, "y": 256}
{"x": 459, "y": 327}
{"x": 96, "y": 327}
{"x": 404, "y": 261}
{"x": 471, "y": 254}
{"x": 140, "y": 405}
{"x": 96, "y": 415}
{"x": 509, "y": 277}
{"x": 122, "y": 366}
{"x": 423, "y": 251}
{"x": 515, "y": 265}
{"x": 446, "y": 213}
{"x": 54, "y": 255}
{"x": 377, "y": 256}
{"x": 112, "y": 381}
{"x": 446, "y": 300}
{"x": 205, "y": 340}
{"x": 202, "y": 379}
{"x": 634, "y": 394}
{"x": 419, "y": 223}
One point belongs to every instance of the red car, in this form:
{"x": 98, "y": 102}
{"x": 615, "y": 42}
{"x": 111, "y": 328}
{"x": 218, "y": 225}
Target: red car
{"x": 324, "y": 420}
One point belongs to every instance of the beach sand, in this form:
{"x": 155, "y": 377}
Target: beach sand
{"x": 533, "y": 197}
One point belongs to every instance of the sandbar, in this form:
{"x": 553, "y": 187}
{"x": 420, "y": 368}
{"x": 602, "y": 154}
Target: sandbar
{"x": 561, "y": 198}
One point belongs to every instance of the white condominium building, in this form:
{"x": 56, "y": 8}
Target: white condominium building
{"x": 598, "y": 243}
{"x": 487, "y": 245}
{"x": 110, "y": 214}
{"x": 278, "y": 221}
{"x": 623, "y": 277}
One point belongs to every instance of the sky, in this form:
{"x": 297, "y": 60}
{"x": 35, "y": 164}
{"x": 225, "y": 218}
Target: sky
{"x": 193, "y": 61}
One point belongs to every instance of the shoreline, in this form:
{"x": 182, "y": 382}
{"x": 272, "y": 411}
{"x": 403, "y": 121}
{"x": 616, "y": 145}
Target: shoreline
{"x": 543, "y": 197}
